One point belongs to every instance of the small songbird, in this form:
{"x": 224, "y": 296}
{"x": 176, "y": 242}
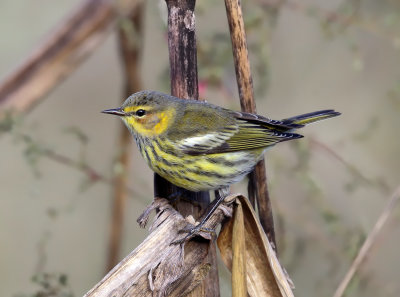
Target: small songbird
{"x": 199, "y": 146}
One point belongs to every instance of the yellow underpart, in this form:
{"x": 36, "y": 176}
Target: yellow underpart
{"x": 168, "y": 157}
{"x": 198, "y": 172}
{"x": 205, "y": 166}
{"x": 151, "y": 155}
{"x": 201, "y": 163}
{"x": 194, "y": 174}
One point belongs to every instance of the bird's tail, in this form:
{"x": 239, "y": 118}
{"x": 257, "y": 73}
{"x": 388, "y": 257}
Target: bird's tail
{"x": 308, "y": 118}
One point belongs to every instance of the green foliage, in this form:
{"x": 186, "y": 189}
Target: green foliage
{"x": 9, "y": 122}
{"x": 32, "y": 153}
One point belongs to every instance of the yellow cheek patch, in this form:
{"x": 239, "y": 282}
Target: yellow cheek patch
{"x": 151, "y": 125}
{"x": 164, "y": 120}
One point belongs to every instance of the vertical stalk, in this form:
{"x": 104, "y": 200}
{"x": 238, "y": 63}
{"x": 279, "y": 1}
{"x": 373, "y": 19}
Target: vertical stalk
{"x": 258, "y": 190}
{"x": 130, "y": 30}
{"x": 184, "y": 84}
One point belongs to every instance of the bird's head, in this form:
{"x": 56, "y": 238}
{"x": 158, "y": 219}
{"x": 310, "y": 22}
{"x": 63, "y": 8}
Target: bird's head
{"x": 147, "y": 113}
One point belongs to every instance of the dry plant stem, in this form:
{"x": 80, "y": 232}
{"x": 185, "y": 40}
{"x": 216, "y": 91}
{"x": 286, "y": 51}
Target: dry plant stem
{"x": 370, "y": 240}
{"x": 182, "y": 48}
{"x": 157, "y": 267}
{"x": 90, "y": 172}
{"x": 184, "y": 81}
{"x": 258, "y": 178}
{"x": 74, "y": 40}
{"x": 130, "y": 49}
{"x": 119, "y": 196}
{"x": 184, "y": 84}
{"x": 264, "y": 202}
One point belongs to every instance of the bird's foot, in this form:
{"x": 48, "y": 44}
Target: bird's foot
{"x": 200, "y": 230}
{"x": 196, "y": 231}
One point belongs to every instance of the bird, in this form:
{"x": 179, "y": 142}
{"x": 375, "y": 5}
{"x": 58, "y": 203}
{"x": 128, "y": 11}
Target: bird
{"x": 199, "y": 146}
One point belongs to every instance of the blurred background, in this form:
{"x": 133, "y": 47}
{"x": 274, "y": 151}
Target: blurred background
{"x": 327, "y": 189}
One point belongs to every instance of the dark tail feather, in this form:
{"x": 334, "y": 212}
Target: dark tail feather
{"x": 304, "y": 119}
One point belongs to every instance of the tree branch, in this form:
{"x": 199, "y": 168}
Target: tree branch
{"x": 77, "y": 37}
{"x": 184, "y": 84}
{"x": 157, "y": 267}
{"x": 257, "y": 179}
{"x": 369, "y": 241}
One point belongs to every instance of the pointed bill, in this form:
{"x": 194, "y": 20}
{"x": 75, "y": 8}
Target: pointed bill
{"x": 115, "y": 111}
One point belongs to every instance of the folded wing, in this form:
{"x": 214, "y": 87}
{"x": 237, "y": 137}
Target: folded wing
{"x": 245, "y": 132}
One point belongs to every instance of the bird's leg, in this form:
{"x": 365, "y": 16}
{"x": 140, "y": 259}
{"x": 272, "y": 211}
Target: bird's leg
{"x": 221, "y": 194}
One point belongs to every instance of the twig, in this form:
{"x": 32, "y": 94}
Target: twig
{"x": 370, "y": 240}
{"x": 130, "y": 40}
{"x": 90, "y": 172}
{"x": 77, "y": 37}
{"x": 258, "y": 178}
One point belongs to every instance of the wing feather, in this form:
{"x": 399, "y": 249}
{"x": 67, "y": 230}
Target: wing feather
{"x": 219, "y": 130}
{"x": 209, "y": 127}
{"x": 252, "y": 132}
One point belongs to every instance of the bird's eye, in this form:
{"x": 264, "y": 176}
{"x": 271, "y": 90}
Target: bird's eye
{"x": 140, "y": 112}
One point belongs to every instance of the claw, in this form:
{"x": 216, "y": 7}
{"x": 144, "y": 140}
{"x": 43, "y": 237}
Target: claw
{"x": 200, "y": 230}
{"x": 193, "y": 231}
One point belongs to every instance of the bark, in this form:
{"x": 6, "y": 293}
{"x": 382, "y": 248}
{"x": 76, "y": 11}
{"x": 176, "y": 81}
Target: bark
{"x": 184, "y": 84}
{"x": 74, "y": 40}
{"x": 157, "y": 267}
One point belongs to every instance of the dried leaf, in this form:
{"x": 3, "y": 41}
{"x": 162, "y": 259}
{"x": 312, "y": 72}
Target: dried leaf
{"x": 265, "y": 275}
{"x": 239, "y": 287}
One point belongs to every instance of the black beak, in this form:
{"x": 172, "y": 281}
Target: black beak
{"x": 115, "y": 111}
